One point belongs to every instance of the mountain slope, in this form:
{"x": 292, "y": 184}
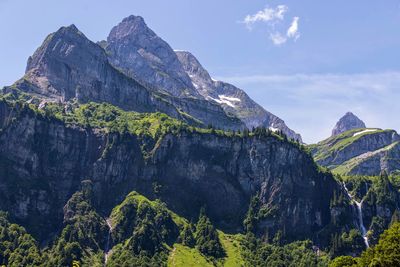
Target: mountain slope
{"x": 232, "y": 99}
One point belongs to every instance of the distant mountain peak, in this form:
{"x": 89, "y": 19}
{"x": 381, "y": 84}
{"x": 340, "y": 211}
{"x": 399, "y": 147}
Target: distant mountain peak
{"x": 348, "y": 122}
{"x": 133, "y": 18}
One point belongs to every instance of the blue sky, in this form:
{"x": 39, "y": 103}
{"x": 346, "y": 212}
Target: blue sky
{"x": 306, "y": 61}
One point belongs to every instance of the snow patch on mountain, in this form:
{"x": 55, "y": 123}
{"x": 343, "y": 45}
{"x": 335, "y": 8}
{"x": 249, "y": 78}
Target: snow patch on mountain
{"x": 365, "y": 131}
{"x": 226, "y": 100}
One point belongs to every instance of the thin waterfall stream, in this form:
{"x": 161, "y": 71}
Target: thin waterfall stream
{"x": 363, "y": 230}
{"x": 107, "y": 250}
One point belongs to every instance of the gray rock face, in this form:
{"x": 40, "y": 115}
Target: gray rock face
{"x": 232, "y": 99}
{"x": 140, "y": 53}
{"x": 69, "y": 66}
{"x": 193, "y": 170}
{"x": 348, "y": 122}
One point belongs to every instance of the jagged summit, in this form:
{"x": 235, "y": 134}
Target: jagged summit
{"x": 136, "y": 50}
{"x": 60, "y": 43}
{"x": 133, "y": 18}
{"x": 348, "y": 122}
{"x": 130, "y": 26}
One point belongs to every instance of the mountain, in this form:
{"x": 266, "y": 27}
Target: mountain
{"x": 137, "y": 51}
{"x": 348, "y": 122}
{"x": 137, "y": 70}
{"x": 106, "y": 160}
{"x": 70, "y": 67}
{"x": 358, "y": 150}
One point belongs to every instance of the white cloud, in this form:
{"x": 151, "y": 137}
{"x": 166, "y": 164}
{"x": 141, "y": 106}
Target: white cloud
{"x": 311, "y": 104}
{"x": 271, "y": 15}
{"x": 275, "y": 18}
{"x": 293, "y": 31}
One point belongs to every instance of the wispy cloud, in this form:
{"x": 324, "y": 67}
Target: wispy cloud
{"x": 274, "y": 17}
{"x": 312, "y": 103}
{"x": 292, "y": 33}
{"x": 270, "y": 15}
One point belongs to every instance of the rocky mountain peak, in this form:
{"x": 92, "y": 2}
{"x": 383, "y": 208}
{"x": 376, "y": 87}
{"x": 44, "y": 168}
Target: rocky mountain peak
{"x": 140, "y": 53}
{"x": 129, "y": 27}
{"x": 62, "y": 45}
{"x": 348, "y": 122}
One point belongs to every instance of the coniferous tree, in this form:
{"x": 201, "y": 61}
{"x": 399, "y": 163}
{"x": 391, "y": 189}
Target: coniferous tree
{"x": 207, "y": 240}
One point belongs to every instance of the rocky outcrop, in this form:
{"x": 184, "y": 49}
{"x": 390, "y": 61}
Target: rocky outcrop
{"x": 43, "y": 162}
{"x": 348, "y": 122}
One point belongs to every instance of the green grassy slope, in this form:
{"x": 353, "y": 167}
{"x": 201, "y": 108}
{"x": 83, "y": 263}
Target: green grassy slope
{"x": 182, "y": 256}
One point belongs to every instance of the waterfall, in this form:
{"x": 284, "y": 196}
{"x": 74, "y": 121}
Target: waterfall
{"x": 359, "y": 215}
{"x": 107, "y": 250}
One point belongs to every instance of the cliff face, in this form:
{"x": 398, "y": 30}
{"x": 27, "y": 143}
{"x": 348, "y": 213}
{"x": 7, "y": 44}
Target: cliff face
{"x": 44, "y": 161}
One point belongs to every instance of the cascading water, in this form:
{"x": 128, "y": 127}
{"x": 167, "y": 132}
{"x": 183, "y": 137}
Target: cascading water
{"x": 107, "y": 250}
{"x": 363, "y": 230}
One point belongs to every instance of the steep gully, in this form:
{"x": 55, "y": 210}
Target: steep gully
{"x": 359, "y": 215}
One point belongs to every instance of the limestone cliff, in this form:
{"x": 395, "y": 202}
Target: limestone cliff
{"x": 44, "y": 161}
